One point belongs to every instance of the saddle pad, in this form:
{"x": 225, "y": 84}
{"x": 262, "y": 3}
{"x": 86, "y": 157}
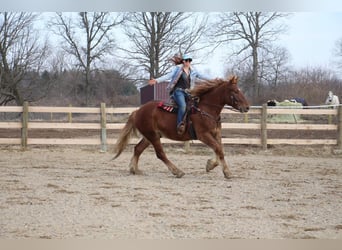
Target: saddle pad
{"x": 168, "y": 107}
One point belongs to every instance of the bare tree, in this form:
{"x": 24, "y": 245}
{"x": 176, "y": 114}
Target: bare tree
{"x": 88, "y": 39}
{"x": 338, "y": 52}
{"x": 273, "y": 66}
{"x": 21, "y": 58}
{"x": 311, "y": 83}
{"x": 157, "y": 36}
{"x": 251, "y": 32}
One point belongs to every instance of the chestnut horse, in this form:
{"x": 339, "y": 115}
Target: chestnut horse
{"x": 154, "y": 123}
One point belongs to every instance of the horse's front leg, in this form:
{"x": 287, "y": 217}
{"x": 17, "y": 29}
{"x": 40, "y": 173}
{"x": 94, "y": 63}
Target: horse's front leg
{"x": 215, "y": 161}
{"x": 212, "y": 142}
{"x": 212, "y": 163}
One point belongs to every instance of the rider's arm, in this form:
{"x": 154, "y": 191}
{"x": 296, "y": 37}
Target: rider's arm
{"x": 168, "y": 76}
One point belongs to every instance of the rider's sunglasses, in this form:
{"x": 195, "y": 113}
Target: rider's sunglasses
{"x": 187, "y": 60}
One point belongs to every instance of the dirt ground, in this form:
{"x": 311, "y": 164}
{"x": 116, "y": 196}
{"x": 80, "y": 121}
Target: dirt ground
{"x": 79, "y": 192}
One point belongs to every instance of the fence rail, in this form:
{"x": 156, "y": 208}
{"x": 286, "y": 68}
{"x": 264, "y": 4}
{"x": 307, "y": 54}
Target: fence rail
{"x": 260, "y": 124}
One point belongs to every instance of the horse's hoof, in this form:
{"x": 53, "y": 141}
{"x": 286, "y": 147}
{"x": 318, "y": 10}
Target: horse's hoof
{"x": 135, "y": 172}
{"x": 210, "y": 165}
{"x": 227, "y": 174}
{"x": 180, "y": 174}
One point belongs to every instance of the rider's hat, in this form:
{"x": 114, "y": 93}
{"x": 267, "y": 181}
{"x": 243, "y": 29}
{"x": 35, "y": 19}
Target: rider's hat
{"x": 187, "y": 56}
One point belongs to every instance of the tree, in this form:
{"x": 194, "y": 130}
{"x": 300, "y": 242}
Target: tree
{"x": 311, "y": 83}
{"x": 157, "y": 36}
{"x": 88, "y": 39}
{"x": 21, "y": 58}
{"x": 338, "y": 52}
{"x": 252, "y": 32}
{"x": 273, "y": 66}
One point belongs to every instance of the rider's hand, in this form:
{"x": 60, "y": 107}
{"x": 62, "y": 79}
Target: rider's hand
{"x": 152, "y": 81}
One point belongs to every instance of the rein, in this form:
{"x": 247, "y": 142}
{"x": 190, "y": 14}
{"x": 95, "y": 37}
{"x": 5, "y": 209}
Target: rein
{"x": 219, "y": 106}
{"x": 204, "y": 113}
{"x": 217, "y": 119}
{"x": 226, "y": 107}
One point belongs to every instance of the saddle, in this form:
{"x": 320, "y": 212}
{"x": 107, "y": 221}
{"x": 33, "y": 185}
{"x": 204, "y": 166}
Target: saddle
{"x": 191, "y": 108}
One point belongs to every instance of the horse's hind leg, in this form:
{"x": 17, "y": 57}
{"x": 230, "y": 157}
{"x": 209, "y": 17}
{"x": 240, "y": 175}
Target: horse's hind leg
{"x": 138, "y": 149}
{"x": 162, "y": 156}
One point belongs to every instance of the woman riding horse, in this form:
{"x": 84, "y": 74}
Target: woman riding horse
{"x": 182, "y": 78}
{"x": 154, "y": 123}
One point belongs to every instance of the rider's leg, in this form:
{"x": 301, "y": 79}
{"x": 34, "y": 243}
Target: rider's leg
{"x": 179, "y": 97}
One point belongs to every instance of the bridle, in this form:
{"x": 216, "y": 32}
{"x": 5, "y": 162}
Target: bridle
{"x": 217, "y": 119}
{"x": 233, "y": 99}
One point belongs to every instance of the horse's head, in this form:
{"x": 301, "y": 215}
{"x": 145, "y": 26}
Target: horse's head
{"x": 221, "y": 92}
{"x": 330, "y": 96}
{"x": 235, "y": 97}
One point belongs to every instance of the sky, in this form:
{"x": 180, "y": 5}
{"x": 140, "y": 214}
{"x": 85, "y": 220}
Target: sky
{"x": 310, "y": 40}
{"x": 312, "y": 37}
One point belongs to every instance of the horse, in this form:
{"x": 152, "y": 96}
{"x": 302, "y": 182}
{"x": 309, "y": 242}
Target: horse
{"x": 153, "y": 123}
{"x": 332, "y": 99}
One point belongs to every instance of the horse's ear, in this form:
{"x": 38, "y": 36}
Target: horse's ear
{"x": 233, "y": 79}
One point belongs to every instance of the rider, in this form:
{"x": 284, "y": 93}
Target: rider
{"x": 182, "y": 78}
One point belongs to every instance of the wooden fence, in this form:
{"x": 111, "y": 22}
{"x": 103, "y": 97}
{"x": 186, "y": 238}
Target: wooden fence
{"x": 261, "y": 124}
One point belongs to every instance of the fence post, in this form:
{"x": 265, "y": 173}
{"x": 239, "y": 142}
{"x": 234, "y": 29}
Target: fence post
{"x": 187, "y": 147}
{"x": 263, "y": 126}
{"x": 111, "y": 116}
{"x": 103, "y": 128}
{"x": 339, "y": 127}
{"x": 246, "y": 118}
{"x": 24, "y": 126}
{"x": 70, "y": 115}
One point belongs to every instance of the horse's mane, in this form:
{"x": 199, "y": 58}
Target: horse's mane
{"x": 202, "y": 88}
{"x": 205, "y": 86}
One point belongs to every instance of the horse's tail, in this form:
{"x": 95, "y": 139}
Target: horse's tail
{"x": 126, "y": 133}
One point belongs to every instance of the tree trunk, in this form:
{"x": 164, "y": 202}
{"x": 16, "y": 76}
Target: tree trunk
{"x": 255, "y": 84}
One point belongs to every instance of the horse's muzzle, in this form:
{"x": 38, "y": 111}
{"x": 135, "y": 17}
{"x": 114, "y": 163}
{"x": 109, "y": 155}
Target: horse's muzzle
{"x": 244, "y": 109}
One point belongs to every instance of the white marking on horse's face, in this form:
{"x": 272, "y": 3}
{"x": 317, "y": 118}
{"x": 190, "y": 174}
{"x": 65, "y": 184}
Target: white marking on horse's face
{"x": 330, "y": 95}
